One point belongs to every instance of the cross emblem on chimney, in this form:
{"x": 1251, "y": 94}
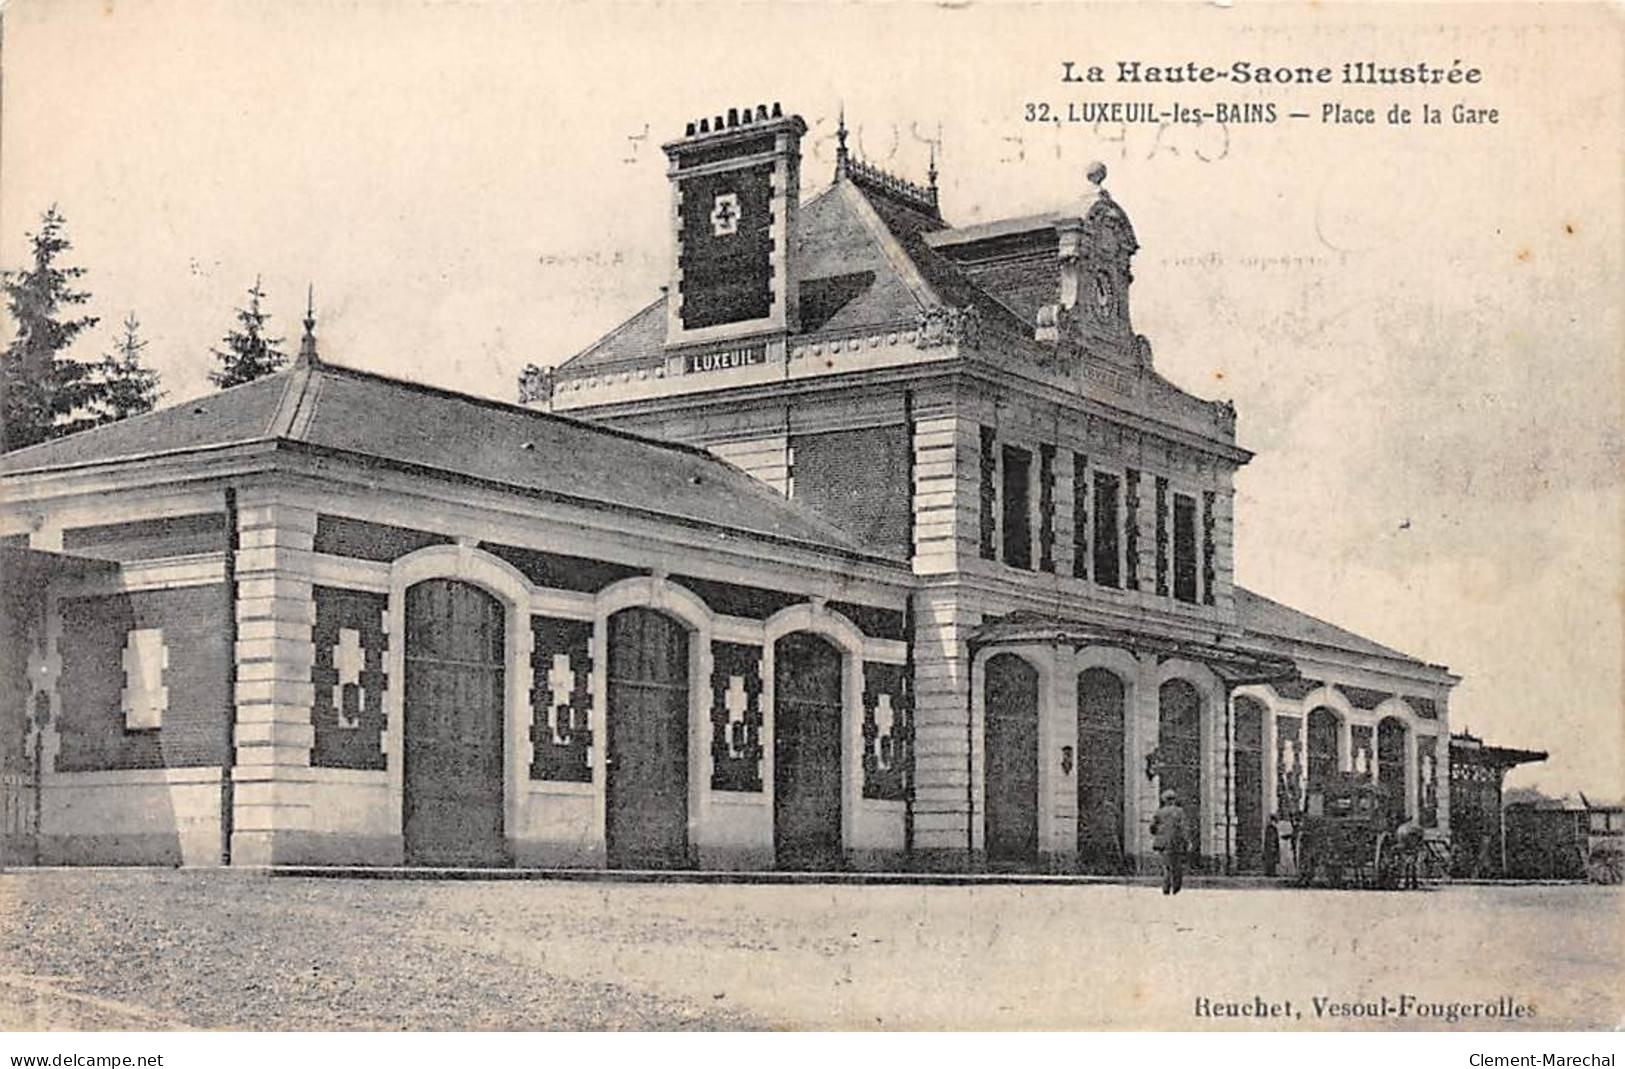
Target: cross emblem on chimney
{"x": 725, "y": 215}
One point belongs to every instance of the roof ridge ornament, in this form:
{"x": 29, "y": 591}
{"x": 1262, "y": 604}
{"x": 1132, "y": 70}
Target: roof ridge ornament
{"x": 840, "y": 144}
{"x": 307, "y": 343}
{"x": 912, "y": 193}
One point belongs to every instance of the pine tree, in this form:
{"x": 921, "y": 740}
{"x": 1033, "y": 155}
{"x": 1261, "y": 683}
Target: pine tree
{"x": 128, "y": 388}
{"x": 249, "y": 354}
{"x": 41, "y": 387}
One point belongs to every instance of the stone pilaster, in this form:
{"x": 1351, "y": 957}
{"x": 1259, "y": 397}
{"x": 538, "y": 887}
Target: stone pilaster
{"x": 1140, "y": 795}
{"x": 1413, "y": 792}
{"x": 1062, "y": 797}
{"x": 1065, "y": 538}
{"x": 941, "y": 708}
{"x": 1272, "y": 801}
{"x": 944, "y": 503}
{"x": 275, "y": 613}
{"x": 1145, "y": 522}
{"x": 1441, "y": 762}
{"x": 1224, "y": 553}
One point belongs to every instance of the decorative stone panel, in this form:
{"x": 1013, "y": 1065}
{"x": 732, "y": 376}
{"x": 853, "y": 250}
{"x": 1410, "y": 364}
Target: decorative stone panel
{"x": 887, "y": 732}
{"x": 736, "y": 717}
{"x": 1362, "y": 758}
{"x": 348, "y": 677}
{"x": 1289, "y": 764}
{"x": 144, "y": 697}
{"x": 179, "y": 718}
{"x": 561, "y": 699}
{"x": 1427, "y": 780}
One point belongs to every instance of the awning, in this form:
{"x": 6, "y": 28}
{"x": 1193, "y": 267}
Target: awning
{"x": 1469, "y": 749}
{"x": 1237, "y": 667}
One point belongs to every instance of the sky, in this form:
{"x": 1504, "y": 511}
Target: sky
{"x": 1419, "y": 325}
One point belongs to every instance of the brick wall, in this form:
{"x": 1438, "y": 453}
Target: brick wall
{"x": 170, "y": 536}
{"x": 194, "y": 723}
{"x": 348, "y": 714}
{"x": 342, "y": 536}
{"x": 858, "y": 480}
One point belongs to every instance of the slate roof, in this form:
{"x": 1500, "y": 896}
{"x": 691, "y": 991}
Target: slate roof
{"x": 439, "y": 432}
{"x": 1262, "y": 616}
{"x": 865, "y": 262}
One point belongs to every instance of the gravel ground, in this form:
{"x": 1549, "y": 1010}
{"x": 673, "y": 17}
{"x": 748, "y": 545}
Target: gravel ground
{"x": 97, "y": 949}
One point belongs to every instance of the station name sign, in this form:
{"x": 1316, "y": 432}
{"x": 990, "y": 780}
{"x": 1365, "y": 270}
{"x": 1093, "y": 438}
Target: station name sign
{"x": 724, "y": 359}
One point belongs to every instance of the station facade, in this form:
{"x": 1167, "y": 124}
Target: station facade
{"x": 872, "y": 542}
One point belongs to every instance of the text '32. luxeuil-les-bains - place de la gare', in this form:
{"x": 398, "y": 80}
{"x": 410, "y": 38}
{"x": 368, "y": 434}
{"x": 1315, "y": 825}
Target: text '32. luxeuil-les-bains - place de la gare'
{"x": 871, "y": 542}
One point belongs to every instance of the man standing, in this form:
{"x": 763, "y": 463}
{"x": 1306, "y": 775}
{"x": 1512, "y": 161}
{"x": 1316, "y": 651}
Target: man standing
{"x": 1170, "y": 838}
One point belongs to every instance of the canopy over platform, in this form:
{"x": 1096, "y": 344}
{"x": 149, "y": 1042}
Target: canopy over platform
{"x": 1236, "y": 667}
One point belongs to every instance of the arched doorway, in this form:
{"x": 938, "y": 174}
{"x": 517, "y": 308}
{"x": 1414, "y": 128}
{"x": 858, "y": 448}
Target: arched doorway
{"x": 1322, "y": 748}
{"x": 453, "y": 704}
{"x": 1249, "y": 772}
{"x": 1179, "y": 747}
{"x": 1010, "y": 760}
{"x": 646, "y": 794}
{"x": 806, "y": 753}
{"x": 1391, "y": 765}
{"x": 1100, "y": 771}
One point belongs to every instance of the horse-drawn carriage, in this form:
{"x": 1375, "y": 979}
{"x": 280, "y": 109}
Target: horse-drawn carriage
{"x": 1349, "y": 835}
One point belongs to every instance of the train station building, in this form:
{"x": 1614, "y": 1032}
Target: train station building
{"x": 871, "y": 541}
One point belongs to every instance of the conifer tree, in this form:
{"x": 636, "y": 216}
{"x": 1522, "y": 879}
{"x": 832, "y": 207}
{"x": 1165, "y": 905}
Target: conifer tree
{"x": 41, "y": 387}
{"x": 249, "y": 353}
{"x": 127, "y": 386}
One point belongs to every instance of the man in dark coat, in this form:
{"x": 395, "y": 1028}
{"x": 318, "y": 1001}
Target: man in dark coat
{"x": 1171, "y": 838}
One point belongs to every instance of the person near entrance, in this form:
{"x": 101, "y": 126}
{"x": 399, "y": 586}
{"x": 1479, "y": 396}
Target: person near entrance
{"x": 1171, "y": 838}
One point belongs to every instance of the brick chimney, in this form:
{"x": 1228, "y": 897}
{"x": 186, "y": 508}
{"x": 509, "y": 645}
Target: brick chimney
{"x": 735, "y": 181}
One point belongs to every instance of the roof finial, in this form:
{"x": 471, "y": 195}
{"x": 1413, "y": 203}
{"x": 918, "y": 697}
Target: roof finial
{"x": 931, "y": 172}
{"x": 840, "y": 143}
{"x": 307, "y": 344}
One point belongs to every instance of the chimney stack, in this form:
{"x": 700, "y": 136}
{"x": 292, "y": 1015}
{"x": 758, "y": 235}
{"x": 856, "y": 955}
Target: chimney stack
{"x": 735, "y": 196}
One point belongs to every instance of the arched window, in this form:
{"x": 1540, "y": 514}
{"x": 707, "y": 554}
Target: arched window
{"x": 1010, "y": 758}
{"x": 646, "y": 821}
{"x": 1100, "y": 771}
{"x": 1179, "y": 747}
{"x": 453, "y": 710}
{"x": 1322, "y": 748}
{"x": 1391, "y": 764}
{"x": 806, "y": 752}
